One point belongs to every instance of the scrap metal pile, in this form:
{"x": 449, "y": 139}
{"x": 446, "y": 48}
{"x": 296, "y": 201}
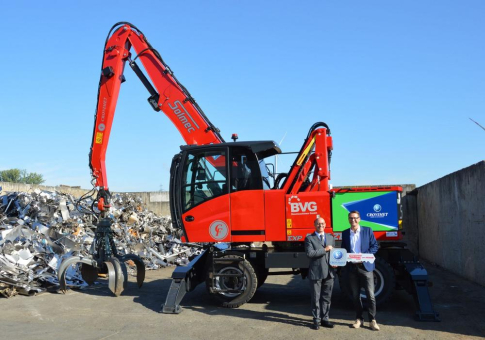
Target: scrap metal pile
{"x": 38, "y": 230}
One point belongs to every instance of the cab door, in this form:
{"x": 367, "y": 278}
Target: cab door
{"x": 247, "y": 197}
{"x": 204, "y": 200}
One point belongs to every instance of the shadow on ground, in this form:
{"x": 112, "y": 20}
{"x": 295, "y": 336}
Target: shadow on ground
{"x": 461, "y": 303}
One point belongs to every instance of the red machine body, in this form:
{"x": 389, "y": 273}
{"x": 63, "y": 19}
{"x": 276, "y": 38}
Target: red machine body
{"x": 285, "y": 213}
{"x": 255, "y": 214}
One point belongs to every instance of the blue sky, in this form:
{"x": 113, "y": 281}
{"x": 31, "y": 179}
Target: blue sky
{"x": 396, "y": 81}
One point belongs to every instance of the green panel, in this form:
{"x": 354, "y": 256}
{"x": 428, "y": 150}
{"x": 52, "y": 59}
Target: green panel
{"x": 340, "y": 220}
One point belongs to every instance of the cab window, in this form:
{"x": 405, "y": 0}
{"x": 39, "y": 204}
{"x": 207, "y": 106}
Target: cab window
{"x": 245, "y": 171}
{"x": 204, "y": 177}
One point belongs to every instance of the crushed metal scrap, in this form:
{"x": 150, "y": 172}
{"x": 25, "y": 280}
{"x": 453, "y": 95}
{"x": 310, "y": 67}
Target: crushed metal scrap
{"x": 40, "y": 229}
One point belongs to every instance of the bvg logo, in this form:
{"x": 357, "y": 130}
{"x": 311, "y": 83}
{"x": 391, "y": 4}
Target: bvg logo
{"x": 298, "y": 208}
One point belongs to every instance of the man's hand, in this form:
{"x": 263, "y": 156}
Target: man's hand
{"x": 328, "y": 248}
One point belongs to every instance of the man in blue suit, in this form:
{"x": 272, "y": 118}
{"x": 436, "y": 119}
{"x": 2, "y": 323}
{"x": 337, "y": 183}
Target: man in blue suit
{"x": 360, "y": 239}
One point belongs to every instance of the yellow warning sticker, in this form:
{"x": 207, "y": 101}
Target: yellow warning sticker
{"x": 288, "y": 232}
{"x": 99, "y": 137}
{"x": 289, "y": 223}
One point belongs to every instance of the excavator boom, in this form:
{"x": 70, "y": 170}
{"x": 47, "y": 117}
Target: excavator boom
{"x": 167, "y": 94}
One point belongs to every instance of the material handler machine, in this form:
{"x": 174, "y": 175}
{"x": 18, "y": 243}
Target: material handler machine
{"x": 225, "y": 196}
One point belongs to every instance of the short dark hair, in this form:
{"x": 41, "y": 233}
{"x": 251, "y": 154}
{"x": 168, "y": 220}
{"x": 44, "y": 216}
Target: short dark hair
{"x": 354, "y": 212}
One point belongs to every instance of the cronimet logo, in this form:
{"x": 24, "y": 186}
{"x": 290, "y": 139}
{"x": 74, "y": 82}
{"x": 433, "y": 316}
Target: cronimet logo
{"x": 377, "y": 212}
{"x": 338, "y": 255}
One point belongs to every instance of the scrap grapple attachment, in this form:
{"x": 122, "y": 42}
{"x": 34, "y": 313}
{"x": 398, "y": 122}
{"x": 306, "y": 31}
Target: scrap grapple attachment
{"x": 104, "y": 260}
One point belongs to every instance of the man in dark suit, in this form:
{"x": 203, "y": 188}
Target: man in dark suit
{"x": 360, "y": 239}
{"x": 321, "y": 274}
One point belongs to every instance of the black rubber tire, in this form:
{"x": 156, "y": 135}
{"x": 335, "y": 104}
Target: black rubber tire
{"x": 250, "y": 282}
{"x": 262, "y": 275}
{"x": 384, "y": 282}
{"x": 261, "y": 271}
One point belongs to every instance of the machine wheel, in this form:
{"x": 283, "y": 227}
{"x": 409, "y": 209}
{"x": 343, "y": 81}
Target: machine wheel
{"x": 247, "y": 284}
{"x": 262, "y": 275}
{"x": 261, "y": 271}
{"x": 384, "y": 282}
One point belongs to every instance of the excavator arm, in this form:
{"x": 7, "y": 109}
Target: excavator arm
{"x": 167, "y": 94}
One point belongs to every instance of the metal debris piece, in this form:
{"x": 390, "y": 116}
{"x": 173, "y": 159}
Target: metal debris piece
{"x": 39, "y": 230}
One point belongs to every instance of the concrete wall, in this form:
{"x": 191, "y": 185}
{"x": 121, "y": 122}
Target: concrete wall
{"x": 156, "y": 201}
{"x": 19, "y": 187}
{"x": 450, "y": 218}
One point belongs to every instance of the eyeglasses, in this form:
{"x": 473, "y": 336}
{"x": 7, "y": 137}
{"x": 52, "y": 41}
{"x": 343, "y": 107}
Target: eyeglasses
{"x": 320, "y": 223}
{"x": 354, "y": 218}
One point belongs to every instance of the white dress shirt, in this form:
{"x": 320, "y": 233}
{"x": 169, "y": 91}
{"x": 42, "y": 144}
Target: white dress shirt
{"x": 355, "y": 243}
{"x": 321, "y": 237}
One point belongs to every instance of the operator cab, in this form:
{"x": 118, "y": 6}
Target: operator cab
{"x": 203, "y": 173}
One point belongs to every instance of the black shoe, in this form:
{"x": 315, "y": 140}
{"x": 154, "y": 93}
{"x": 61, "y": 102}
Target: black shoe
{"x": 316, "y": 325}
{"x": 327, "y": 324}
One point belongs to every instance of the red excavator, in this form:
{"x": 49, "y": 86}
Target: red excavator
{"x": 225, "y": 195}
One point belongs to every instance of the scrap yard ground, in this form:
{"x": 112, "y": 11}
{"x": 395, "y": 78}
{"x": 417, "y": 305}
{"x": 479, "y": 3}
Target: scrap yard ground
{"x": 279, "y": 310}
